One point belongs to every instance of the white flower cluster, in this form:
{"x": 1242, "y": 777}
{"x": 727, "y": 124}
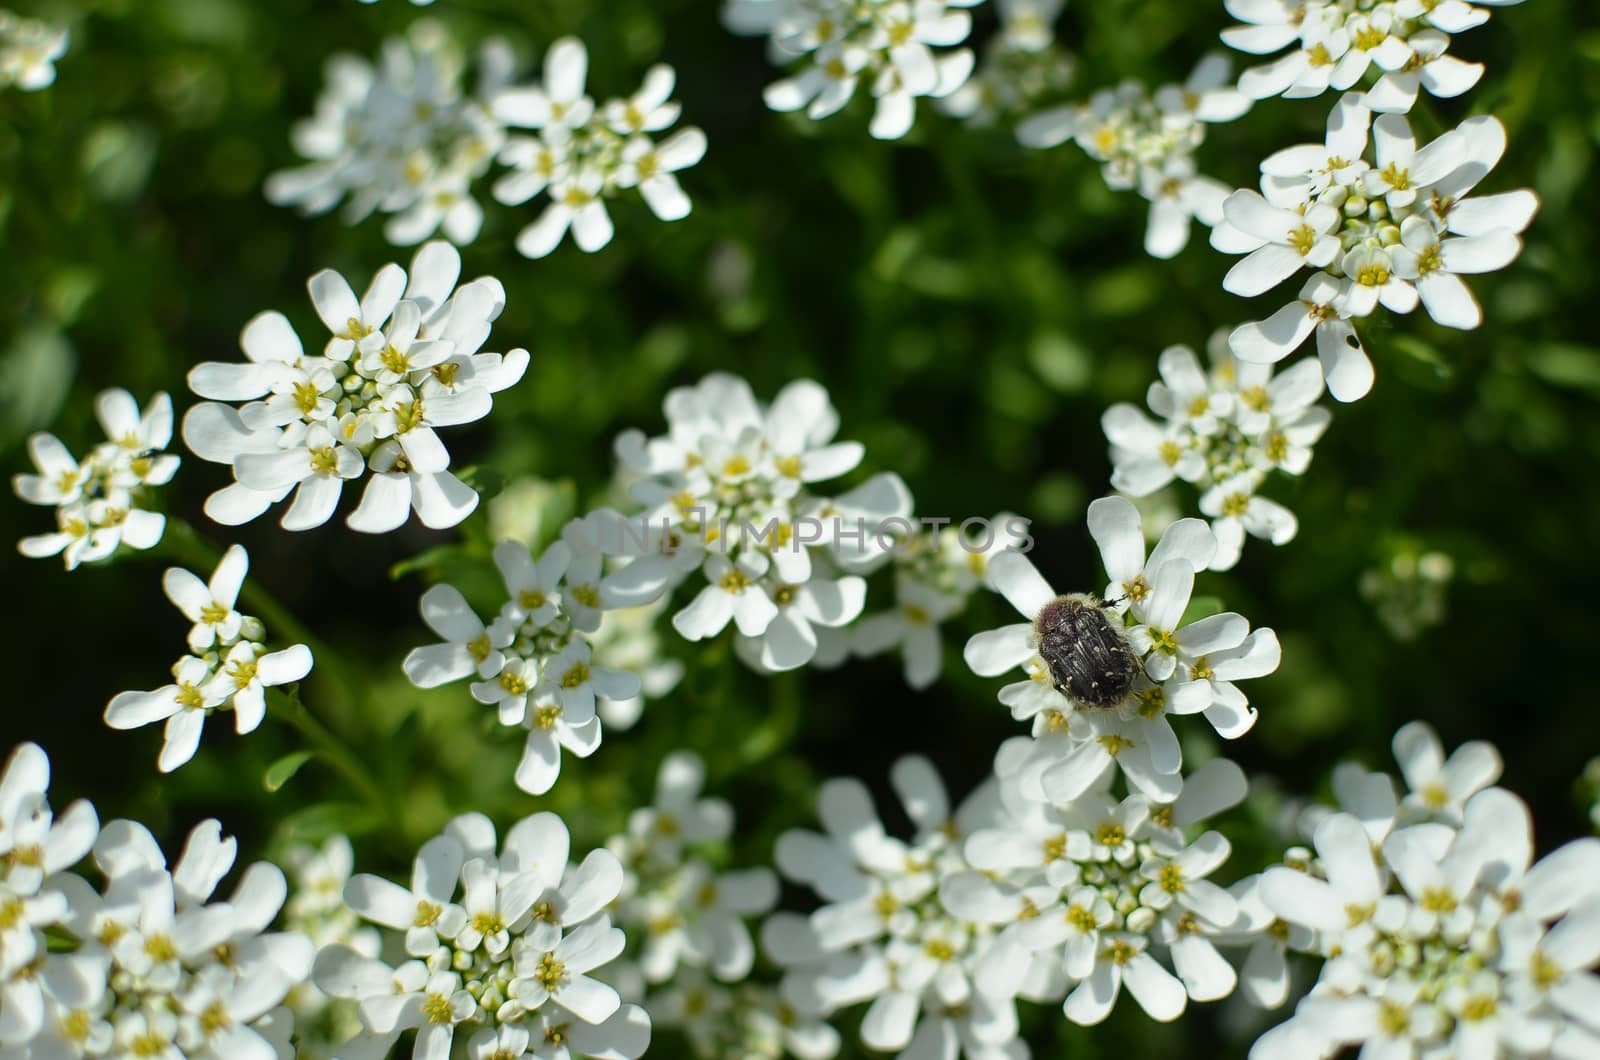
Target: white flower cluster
{"x": 29, "y": 50}
{"x": 316, "y": 909}
{"x": 400, "y": 138}
{"x": 1022, "y": 66}
{"x": 1337, "y": 43}
{"x": 884, "y": 935}
{"x": 405, "y": 139}
{"x": 725, "y": 494}
{"x": 936, "y": 571}
{"x": 1091, "y": 713}
{"x": 399, "y": 362}
{"x": 97, "y": 501}
{"x": 146, "y": 965}
{"x": 1147, "y": 143}
{"x": 1016, "y": 896}
{"x": 838, "y": 44}
{"x": 228, "y": 668}
{"x": 1440, "y": 933}
{"x": 500, "y": 943}
{"x": 586, "y": 153}
{"x": 1226, "y": 432}
{"x": 534, "y": 662}
{"x": 687, "y": 920}
{"x": 1390, "y": 231}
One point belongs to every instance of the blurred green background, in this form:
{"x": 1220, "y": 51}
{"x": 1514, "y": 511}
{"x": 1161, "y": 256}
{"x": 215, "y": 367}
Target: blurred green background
{"x": 972, "y": 307}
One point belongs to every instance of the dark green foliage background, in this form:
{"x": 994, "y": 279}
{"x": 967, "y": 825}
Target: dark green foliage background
{"x": 973, "y": 309}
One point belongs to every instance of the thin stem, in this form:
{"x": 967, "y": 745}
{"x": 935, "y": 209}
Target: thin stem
{"x": 288, "y": 708}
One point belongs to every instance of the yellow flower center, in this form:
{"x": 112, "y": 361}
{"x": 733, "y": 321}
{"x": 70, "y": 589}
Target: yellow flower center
{"x": 575, "y": 676}
{"x": 1303, "y": 239}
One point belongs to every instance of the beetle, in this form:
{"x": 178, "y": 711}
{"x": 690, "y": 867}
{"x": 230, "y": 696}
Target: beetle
{"x": 1087, "y": 651}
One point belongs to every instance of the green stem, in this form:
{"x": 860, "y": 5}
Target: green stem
{"x": 288, "y": 708}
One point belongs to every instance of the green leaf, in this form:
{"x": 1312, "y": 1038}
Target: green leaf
{"x": 315, "y": 823}
{"x": 427, "y": 561}
{"x": 280, "y": 772}
{"x": 1568, "y": 365}
{"x": 1423, "y": 353}
{"x": 35, "y": 374}
{"x": 1061, "y": 363}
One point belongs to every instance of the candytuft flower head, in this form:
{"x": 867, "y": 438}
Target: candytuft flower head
{"x": 98, "y": 502}
{"x": 586, "y": 153}
{"x": 728, "y": 492}
{"x": 402, "y": 361}
{"x": 316, "y": 909}
{"x": 1391, "y": 231}
{"x": 534, "y": 663}
{"x": 900, "y": 50}
{"x": 400, "y": 137}
{"x": 29, "y": 50}
{"x": 230, "y": 667}
{"x": 1100, "y": 679}
{"x": 1146, "y": 142}
{"x": 1397, "y": 47}
{"x": 686, "y": 920}
{"x": 501, "y": 939}
{"x": 882, "y": 935}
{"x": 1441, "y": 938}
{"x": 145, "y": 964}
{"x": 1226, "y": 431}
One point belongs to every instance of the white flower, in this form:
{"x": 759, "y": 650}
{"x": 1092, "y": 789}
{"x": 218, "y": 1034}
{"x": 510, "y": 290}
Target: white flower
{"x": 1335, "y": 43}
{"x": 679, "y": 815}
{"x": 912, "y": 627}
{"x": 469, "y": 647}
{"x": 586, "y": 154}
{"x": 1393, "y": 233}
{"x": 35, "y": 843}
{"x": 400, "y": 137}
{"x": 936, "y": 572}
{"x": 534, "y": 663}
{"x": 902, "y": 49}
{"x": 687, "y": 916}
{"x": 526, "y": 931}
{"x": 230, "y": 670}
{"x": 98, "y": 501}
{"x": 733, "y": 592}
{"x": 1022, "y": 66}
{"x": 1236, "y": 509}
{"x": 1147, "y": 141}
{"x": 1464, "y": 959}
{"x": 1440, "y": 786}
{"x": 400, "y": 362}
{"x": 728, "y": 490}
{"x": 145, "y": 962}
{"x": 29, "y": 50}
{"x": 883, "y": 935}
{"x": 1160, "y": 668}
